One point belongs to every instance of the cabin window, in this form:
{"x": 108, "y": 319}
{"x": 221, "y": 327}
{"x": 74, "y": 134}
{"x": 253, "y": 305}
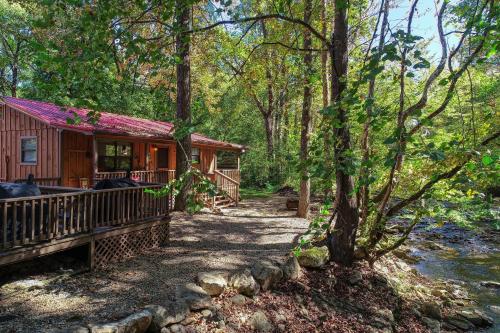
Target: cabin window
{"x": 227, "y": 160}
{"x": 28, "y": 150}
{"x": 162, "y": 158}
{"x": 195, "y": 155}
{"x": 114, "y": 156}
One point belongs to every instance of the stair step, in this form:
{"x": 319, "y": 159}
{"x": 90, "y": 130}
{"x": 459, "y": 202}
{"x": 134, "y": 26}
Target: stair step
{"x": 226, "y": 205}
{"x": 222, "y": 201}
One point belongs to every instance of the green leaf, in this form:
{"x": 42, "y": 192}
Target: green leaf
{"x": 486, "y": 160}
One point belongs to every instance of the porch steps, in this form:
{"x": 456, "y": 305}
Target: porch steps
{"x": 222, "y": 201}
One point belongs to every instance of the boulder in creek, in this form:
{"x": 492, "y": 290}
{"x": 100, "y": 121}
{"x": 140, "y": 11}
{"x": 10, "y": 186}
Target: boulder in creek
{"x": 244, "y": 283}
{"x": 490, "y": 284}
{"x": 314, "y": 257}
{"x": 194, "y": 296}
{"x": 267, "y": 274}
{"x": 171, "y": 313}
{"x": 458, "y": 322}
{"x": 476, "y": 317}
{"x": 135, "y": 323}
{"x": 213, "y": 283}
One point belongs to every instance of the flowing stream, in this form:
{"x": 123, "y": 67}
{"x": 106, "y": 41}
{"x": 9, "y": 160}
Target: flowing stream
{"x": 464, "y": 257}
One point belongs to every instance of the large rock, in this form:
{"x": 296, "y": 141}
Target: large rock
{"x": 267, "y": 274}
{"x": 194, "y": 296}
{"x": 291, "y": 268}
{"x": 172, "y": 313}
{"x": 73, "y": 329}
{"x": 431, "y": 310}
{"x": 244, "y": 283}
{"x": 260, "y": 323}
{"x": 355, "y": 278}
{"x": 314, "y": 257}
{"x": 490, "y": 284}
{"x": 213, "y": 283}
{"x": 136, "y": 323}
{"x": 382, "y": 319}
{"x": 476, "y": 317}
{"x": 459, "y": 322}
{"x": 432, "y": 324}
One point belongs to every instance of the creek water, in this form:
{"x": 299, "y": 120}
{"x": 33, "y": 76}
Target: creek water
{"x": 462, "y": 257}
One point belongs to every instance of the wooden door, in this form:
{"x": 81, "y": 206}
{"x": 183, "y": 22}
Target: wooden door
{"x": 77, "y": 167}
{"x": 162, "y": 158}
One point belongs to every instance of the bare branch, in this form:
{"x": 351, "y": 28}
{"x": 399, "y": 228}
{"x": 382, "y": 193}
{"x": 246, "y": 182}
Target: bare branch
{"x": 445, "y": 175}
{"x": 316, "y": 33}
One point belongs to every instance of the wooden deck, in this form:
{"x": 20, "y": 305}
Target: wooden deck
{"x": 114, "y": 223}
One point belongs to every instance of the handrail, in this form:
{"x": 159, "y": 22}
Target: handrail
{"x": 226, "y": 177}
{"x": 28, "y": 220}
{"x": 76, "y": 191}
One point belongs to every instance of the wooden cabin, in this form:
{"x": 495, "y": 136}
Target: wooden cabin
{"x": 46, "y": 140}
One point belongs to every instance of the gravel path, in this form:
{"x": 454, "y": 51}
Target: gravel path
{"x": 259, "y": 228}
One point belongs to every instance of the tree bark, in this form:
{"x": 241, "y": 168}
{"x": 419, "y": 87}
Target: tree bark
{"x": 305, "y": 181}
{"x": 183, "y": 114}
{"x": 327, "y": 190}
{"x": 343, "y": 236}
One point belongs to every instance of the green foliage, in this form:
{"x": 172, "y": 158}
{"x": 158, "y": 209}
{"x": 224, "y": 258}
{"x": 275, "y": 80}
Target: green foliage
{"x": 317, "y": 228}
{"x": 202, "y": 186}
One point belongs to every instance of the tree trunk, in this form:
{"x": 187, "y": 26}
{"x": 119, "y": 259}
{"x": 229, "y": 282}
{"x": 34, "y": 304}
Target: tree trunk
{"x": 13, "y": 87}
{"x": 305, "y": 181}
{"x": 327, "y": 185}
{"x": 269, "y": 127}
{"x": 343, "y": 236}
{"x": 183, "y": 114}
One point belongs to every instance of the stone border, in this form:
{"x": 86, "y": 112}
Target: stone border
{"x": 197, "y": 297}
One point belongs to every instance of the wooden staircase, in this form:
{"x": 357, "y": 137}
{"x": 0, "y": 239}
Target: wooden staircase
{"x": 223, "y": 201}
{"x": 229, "y": 190}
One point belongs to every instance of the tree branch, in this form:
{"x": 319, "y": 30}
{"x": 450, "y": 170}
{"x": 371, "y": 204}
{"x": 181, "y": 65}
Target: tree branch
{"x": 315, "y": 32}
{"x": 445, "y": 175}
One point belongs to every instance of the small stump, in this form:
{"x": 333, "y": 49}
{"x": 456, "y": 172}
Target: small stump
{"x": 292, "y": 203}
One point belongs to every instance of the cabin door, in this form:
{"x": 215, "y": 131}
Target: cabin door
{"x": 162, "y": 158}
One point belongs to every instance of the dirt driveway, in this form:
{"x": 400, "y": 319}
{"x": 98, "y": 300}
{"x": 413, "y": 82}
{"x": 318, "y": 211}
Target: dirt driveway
{"x": 259, "y": 228}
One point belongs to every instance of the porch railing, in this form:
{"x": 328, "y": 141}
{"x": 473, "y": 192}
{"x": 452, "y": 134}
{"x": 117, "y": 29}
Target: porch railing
{"x": 146, "y": 176}
{"x": 231, "y": 173}
{"x": 31, "y": 220}
{"x": 228, "y": 185}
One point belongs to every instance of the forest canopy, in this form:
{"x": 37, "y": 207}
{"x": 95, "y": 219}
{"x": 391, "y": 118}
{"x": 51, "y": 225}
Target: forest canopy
{"x": 374, "y": 105}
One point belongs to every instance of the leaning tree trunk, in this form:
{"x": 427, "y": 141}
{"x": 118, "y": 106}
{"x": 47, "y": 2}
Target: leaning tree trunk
{"x": 305, "y": 181}
{"x": 183, "y": 114}
{"x": 343, "y": 236}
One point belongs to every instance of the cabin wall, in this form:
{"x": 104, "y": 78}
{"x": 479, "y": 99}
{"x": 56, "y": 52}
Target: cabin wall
{"x": 139, "y": 156}
{"x": 77, "y": 162}
{"x": 14, "y": 125}
{"x": 207, "y": 159}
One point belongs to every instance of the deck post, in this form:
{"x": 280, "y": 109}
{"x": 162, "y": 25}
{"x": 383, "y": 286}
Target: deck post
{"x": 91, "y": 254}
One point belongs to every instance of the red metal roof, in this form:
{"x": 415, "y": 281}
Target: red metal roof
{"x": 109, "y": 123}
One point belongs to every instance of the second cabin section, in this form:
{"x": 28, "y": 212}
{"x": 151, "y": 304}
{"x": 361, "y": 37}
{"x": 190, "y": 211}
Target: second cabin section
{"x": 36, "y": 138}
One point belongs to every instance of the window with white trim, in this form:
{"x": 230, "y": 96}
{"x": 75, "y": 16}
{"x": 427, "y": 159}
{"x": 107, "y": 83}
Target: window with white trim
{"x": 29, "y": 150}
